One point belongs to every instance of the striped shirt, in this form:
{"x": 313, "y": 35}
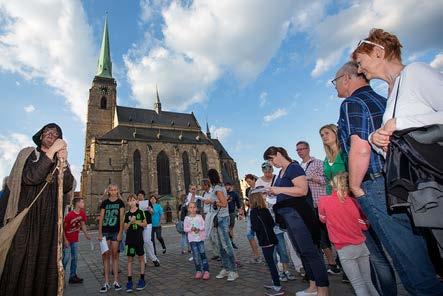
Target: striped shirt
{"x": 314, "y": 168}
{"x": 361, "y": 114}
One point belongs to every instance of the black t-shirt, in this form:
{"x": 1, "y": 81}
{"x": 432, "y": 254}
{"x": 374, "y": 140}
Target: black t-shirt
{"x": 134, "y": 234}
{"x": 111, "y": 219}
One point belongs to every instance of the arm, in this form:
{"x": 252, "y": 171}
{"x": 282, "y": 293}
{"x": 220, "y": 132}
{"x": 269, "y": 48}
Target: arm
{"x": 222, "y": 201}
{"x": 143, "y": 223}
{"x": 299, "y": 188}
{"x": 122, "y": 222}
{"x": 100, "y": 224}
{"x": 359, "y": 156}
{"x": 321, "y": 211}
{"x": 85, "y": 230}
{"x": 186, "y": 226}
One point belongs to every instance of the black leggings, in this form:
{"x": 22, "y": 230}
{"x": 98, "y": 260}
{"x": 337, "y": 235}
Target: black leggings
{"x": 268, "y": 253}
{"x": 157, "y": 230}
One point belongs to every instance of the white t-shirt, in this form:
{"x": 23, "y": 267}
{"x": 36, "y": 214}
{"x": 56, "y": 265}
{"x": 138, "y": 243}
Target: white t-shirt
{"x": 420, "y": 100}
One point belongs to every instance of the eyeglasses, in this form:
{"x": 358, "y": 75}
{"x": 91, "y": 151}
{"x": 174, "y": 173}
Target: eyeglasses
{"x": 52, "y": 133}
{"x": 300, "y": 149}
{"x": 369, "y": 42}
{"x": 334, "y": 82}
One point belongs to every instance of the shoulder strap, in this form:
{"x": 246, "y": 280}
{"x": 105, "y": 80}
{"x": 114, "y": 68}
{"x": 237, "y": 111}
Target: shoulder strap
{"x": 396, "y": 97}
{"x": 273, "y": 180}
{"x": 308, "y": 164}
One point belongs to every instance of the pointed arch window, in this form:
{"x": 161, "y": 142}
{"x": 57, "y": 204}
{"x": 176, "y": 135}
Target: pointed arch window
{"x": 103, "y": 103}
{"x": 186, "y": 170}
{"x": 204, "y": 162}
{"x": 163, "y": 175}
{"x": 137, "y": 171}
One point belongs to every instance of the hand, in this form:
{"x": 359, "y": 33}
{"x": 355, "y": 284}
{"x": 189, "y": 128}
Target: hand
{"x": 58, "y": 145}
{"x": 66, "y": 244}
{"x": 358, "y": 192}
{"x": 119, "y": 237}
{"x": 380, "y": 138}
{"x": 273, "y": 190}
{"x": 100, "y": 237}
{"x": 88, "y": 236}
{"x": 62, "y": 154}
{"x": 390, "y": 126}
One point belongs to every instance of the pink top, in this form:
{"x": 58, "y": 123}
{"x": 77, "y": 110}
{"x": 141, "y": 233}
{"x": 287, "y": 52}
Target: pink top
{"x": 196, "y": 222}
{"x": 344, "y": 220}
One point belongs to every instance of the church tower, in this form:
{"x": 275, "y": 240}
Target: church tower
{"x": 102, "y": 95}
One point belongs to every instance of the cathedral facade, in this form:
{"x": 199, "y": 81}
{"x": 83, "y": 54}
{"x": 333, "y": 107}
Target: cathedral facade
{"x": 157, "y": 151}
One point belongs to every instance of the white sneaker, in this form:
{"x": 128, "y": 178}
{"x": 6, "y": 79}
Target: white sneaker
{"x": 304, "y": 293}
{"x": 232, "y": 276}
{"x": 222, "y": 274}
{"x": 190, "y": 258}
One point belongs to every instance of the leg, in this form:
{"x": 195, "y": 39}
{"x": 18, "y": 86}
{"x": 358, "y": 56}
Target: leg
{"x": 130, "y": 259}
{"x": 365, "y": 271}
{"x": 141, "y": 260}
{"x": 302, "y": 241}
{"x": 410, "y": 260}
{"x": 226, "y": 250}
{"x": 153, "y": 239}
{"x": 66, "y": 256}
{"x": 292, "y": 253}
{"x": 196, "y": 256}
{"x": 382, "y": 271}
{"x": 106, "y": 261}
{"x": 214, "y": 242}
{"x": 158, "y": 233}
{"x": 149, "y": 247}
{"x": 203, "y": 258}
{"x": 74, "y": 250}
{"x": 251, "y": 238}
{"x": 114, "y": 254}
{"x": 268, "y": 253}
{"x": 349, "y": 259}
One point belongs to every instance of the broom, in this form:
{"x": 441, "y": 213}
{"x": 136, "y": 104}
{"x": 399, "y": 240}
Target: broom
{"x": 61, "y": 271}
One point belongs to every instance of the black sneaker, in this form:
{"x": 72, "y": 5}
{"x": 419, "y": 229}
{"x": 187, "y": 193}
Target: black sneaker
{"x": 117, "y": 286}
{"x": 234, "y": 245}
{"x": 334, "y": 269}
{"x": 75, "y": 280}
{"x": 164, "y": 251}
{"x": 105, "y": 288}
{"x": 156, "y": 263}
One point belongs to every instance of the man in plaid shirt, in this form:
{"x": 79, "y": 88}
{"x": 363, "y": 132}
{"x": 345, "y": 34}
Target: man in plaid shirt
{"x": 316, "y": 180}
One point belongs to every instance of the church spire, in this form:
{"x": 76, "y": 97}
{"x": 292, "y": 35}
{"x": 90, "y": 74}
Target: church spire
{"x": 208, "y": 132}
{"x": 104, "y": 65}
{"x": 157, "y": 104}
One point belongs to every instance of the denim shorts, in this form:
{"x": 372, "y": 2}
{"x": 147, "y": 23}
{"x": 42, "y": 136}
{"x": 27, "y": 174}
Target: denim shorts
{"x": 250, "y": 234}
{"x": 110, "y": 236}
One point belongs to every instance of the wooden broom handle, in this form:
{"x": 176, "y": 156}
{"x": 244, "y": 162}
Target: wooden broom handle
{"x": 61, "y": 272}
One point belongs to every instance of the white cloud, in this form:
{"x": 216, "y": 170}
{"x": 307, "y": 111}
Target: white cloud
{"x": 10, "y": 145}
{"x": 220, "y": 132}
{"x": 437, "y": 62}
{"x": 49, "y": 40}
{"x": 263, "y": 98}
{"x": 29, "y": 109}
{"x": 202, "y": 41}
{"x": 275, "y": 115}
{"x": 332, "y": 36}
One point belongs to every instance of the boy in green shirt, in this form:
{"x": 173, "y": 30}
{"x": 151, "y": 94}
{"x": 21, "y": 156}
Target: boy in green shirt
{"x": 135, "y": 221}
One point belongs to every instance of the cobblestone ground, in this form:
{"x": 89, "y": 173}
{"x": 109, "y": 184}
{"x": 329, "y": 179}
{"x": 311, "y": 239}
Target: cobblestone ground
{"x": 175, "y": 275}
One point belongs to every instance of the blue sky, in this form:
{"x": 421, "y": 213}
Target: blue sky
{"x": 258, "y": 71}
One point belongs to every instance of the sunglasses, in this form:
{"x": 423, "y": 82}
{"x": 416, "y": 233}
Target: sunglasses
{"x": 369, "y": 42}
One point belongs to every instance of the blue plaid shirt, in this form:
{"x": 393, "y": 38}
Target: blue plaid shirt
{"x": 361, "y": 114}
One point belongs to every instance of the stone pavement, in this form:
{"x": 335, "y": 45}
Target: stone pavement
{"x": 175, "y": 275}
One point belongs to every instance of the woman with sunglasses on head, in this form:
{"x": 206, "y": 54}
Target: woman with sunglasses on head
{"x": 414, "y": 100}
{"x": 294, "y": 213}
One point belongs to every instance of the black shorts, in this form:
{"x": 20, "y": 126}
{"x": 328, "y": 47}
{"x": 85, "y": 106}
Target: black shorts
{"x": 132, "y": 249}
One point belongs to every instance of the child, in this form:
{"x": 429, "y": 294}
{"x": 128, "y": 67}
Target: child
{"x": 194, "y": 226}
{"x": 263, "y": 224}
{"x": 135, "y": 222}
{"x": 345, "y": 225}
{"x": 157, "y": 213}
{"x": 112, "y": 213}
{"x": 74, "y": 220}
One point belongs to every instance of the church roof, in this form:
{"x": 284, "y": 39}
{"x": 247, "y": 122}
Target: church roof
{"x": 221, "y": 150}
{"x": 128, "y": 115}
{"x": 151, "y": 135}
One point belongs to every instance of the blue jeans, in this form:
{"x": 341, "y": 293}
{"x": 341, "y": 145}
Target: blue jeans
{"x": 198, "y": 252}
{"x": 268, "y": 253}
{"x": 280, "y": 249}
{"x": 250, "y": 234}
{"x": 302, "y": 241}
{"x": 184, "y": 242}
{"x": 407, "y": 249}
{"x": 225, "y": 245}
{"x": 382, "y": 273}
{"x": 71, "y": 253}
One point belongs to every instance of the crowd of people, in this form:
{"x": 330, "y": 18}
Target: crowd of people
{"x": 349, "y": 209}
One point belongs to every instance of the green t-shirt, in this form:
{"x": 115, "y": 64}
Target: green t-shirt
{"x": 339, "y": 166}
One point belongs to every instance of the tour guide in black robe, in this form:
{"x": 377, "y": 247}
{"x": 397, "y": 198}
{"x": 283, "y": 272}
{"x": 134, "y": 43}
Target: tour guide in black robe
{"x": 31, "y": 263}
